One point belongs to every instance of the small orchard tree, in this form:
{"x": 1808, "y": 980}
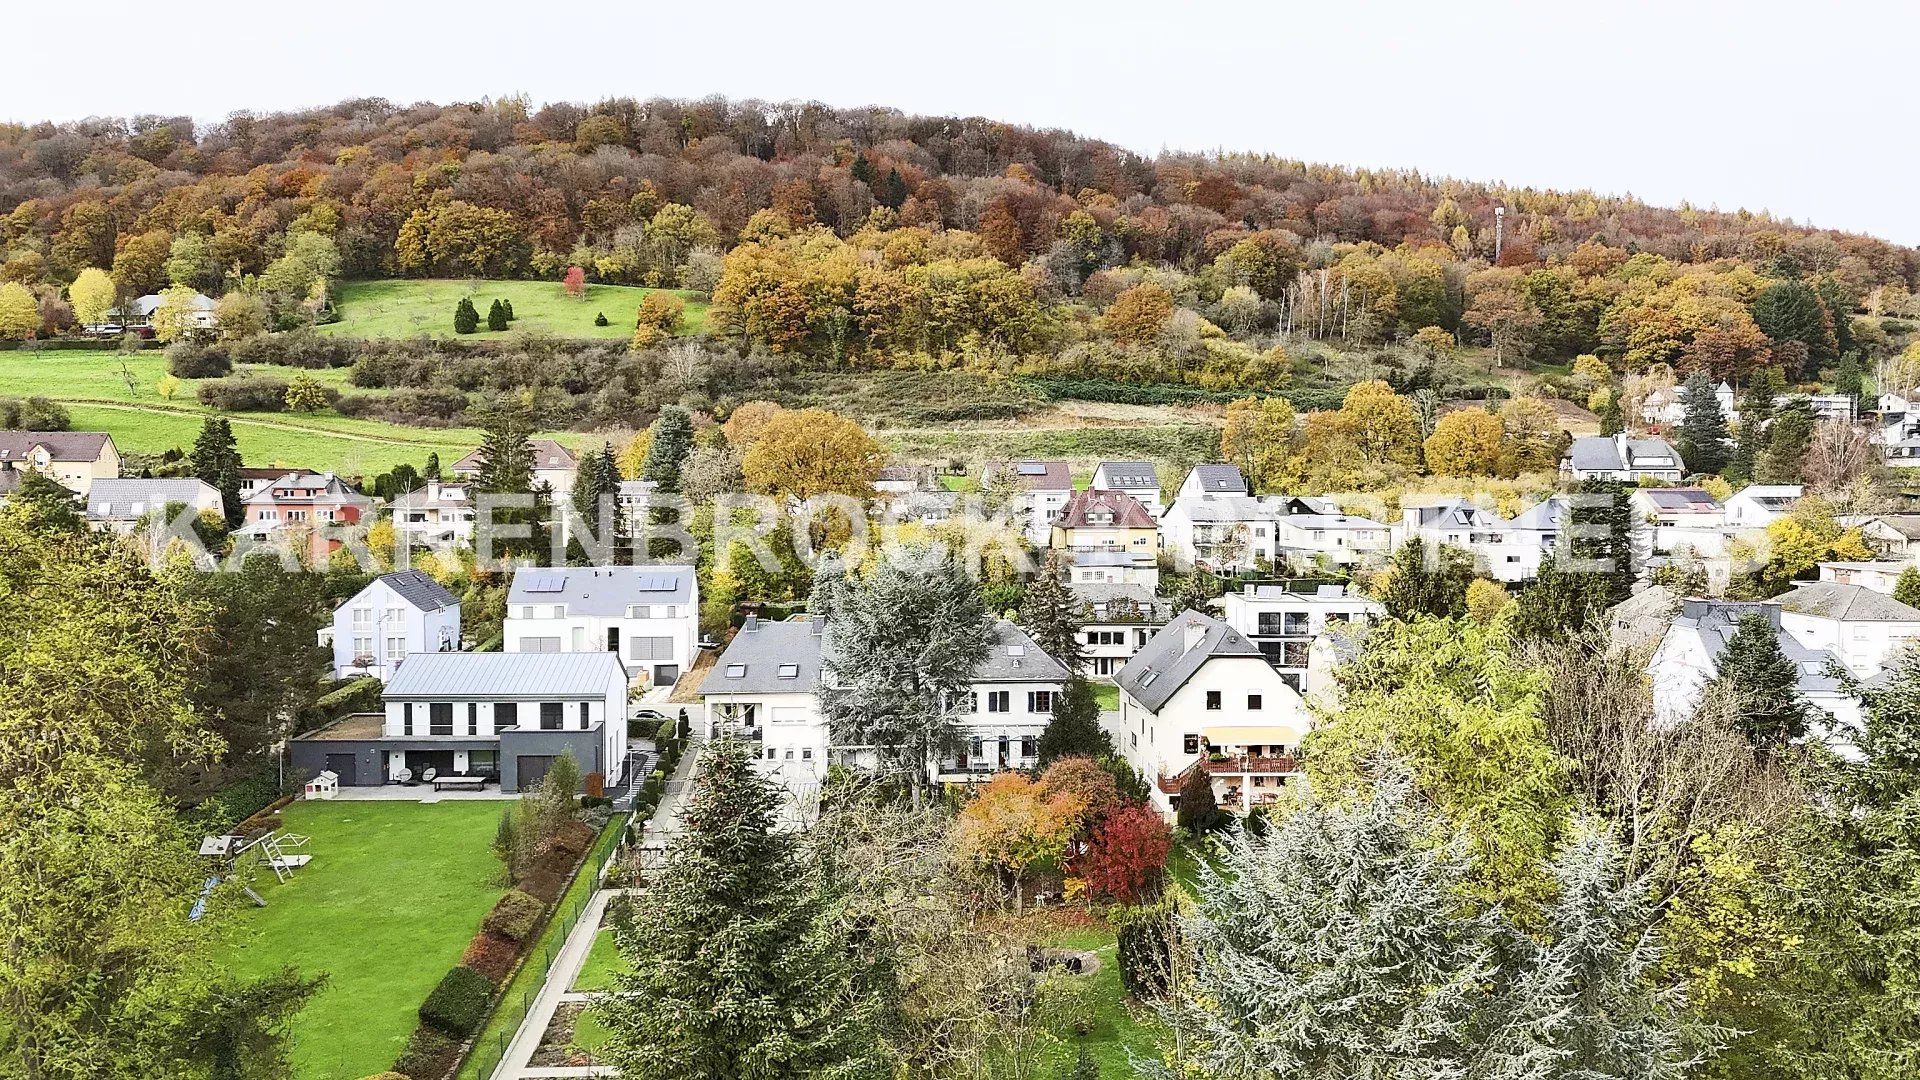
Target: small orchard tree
{"x": 93, "y": 294}
{"x": 575, "y": 282}
{"x": 305, "y": 395}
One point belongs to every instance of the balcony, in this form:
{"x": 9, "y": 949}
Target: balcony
{"x": 1233, "y": 766}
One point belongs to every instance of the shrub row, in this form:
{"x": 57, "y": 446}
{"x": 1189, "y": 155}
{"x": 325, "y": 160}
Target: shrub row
{"x": 253, "y": 393}
{"x": 459, "y": 1006}
{"x": 33, "y": 414}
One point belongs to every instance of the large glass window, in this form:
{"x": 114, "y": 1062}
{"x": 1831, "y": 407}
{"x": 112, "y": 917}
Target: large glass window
{"x": 552, "y": 716}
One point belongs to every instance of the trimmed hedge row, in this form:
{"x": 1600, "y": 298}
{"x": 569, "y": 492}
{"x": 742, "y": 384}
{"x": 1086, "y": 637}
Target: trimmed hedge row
{"x": 458, "y": 1006}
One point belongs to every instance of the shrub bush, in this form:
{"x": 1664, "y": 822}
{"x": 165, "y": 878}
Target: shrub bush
{"x": 188, "y": 360}
{"x": 491, "y": 955}
{"x": 33, "y": 414}
{"x": 1144, "y": 952}
{"x": 514, "y": 915}
{"x": 429, "y": 1054}
{"x": 458, "y": 1006}
{"x": 245, "y": 393}
{"x": 296, "y": 348}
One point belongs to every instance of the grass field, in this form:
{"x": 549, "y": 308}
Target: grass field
{"x": 1108, "y": 695}
{"x": 105, "y": 391}
{"x": 394, "y": 892}
{"x": 410, "y": 308}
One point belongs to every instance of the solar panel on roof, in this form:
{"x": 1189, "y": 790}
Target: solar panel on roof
{"x": 546, "y": 583}
{"x": 1030, "y": 468}
{"x": 655, "y": 583}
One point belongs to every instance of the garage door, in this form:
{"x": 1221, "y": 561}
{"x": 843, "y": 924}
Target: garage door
{"x": 342, "y": 766}
{"x": 531, "y": 769}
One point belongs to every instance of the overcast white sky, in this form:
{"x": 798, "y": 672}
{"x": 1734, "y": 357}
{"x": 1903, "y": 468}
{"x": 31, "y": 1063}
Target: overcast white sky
{"x": 1802, "y": 109}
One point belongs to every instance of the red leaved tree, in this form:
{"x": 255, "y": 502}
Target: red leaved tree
{"x": 1127, "y": 859}
{"x": 576, "y": 282}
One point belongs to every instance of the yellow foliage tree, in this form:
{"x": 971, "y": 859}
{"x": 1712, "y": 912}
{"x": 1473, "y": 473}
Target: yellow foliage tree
{"x": 807, "y": 452}
{"x": 19, "y": 311}
{"x": 745, "y": 421}
{"x": 174, "y": 315}
{"x": 1259, "y": 436}
{"x": 92, "y": 294}
{"x": 1383, "y": 425}
{"x": 1486, "y": 599}
{"x": 1139, "y": 315}
{"x": 1465, "y": 442}
{"x": 632, "y": 459}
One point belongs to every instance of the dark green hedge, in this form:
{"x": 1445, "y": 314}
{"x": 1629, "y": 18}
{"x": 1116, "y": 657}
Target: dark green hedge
{"x": 458, "y": 1006}
{"x": 516, "y": 915}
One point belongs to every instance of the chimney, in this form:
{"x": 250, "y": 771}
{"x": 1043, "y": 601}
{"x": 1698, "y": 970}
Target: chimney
{"x": 751, "y": 626}
{"x": 818, "y": 625}
{"x": 1192, "y": 635}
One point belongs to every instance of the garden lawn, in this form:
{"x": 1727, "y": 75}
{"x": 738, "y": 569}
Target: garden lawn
{"x": 1108, "y": 696}
{"x": 394, "y": 892}
{"x": 1120, "y": 1027}
{"x": 603, "y": 963}
{"x": 106, "y": 391}
{"x": 410, "y": 308}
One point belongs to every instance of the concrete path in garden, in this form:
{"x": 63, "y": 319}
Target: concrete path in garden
{"x": 560, "y": 978}
{"x": 666, "y": 817}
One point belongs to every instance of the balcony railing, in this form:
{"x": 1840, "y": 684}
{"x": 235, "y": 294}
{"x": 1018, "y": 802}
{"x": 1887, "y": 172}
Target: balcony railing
{"x": 1233, "y": 765}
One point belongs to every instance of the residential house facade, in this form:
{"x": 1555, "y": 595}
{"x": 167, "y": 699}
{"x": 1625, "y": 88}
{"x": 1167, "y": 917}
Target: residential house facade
{"x": 1107, "y": 522}
{"x": 1622, "y": 457}
{"x": 649, "y": 616}
{"x": 1037, "y": 491}
{"x": 553, "y": 465}
{"x": 1283, "y": 623}
{"x": 1118, "y": 620}
{"x": 1757, "y": 506}
{"x": 1201, "y": 695}
{"x": 503, "y": 716}
{"x": 1681, "y": 520}
{"x": 75, "y": 459}
{"x": 401, "y": 614}
{"x": 1138, "y": 479}
{"x": 439, "y": 514}
{"x": 316, "y": 505}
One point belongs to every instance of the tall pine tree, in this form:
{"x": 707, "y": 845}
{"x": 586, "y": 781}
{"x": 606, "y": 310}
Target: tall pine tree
{"x": 672, "y": 439}
{"x": 215, "y": 460}
{"x": 1415, "y": 588}
{"x": 1753, "y": 670}
{"x": 1756, "y": 412}
{"x": 1788, "y": 437}
{"x": 1702, "y": 440}
{"x": 740, "y": 967}
{"x": 1053, "y": 616}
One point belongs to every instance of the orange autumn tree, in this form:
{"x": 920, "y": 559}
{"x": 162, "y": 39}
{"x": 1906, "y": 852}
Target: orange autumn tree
{"x": 1014, "y": 826}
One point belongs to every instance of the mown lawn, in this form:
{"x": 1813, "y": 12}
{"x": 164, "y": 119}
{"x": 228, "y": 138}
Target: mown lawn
{"x": 394, "y": 893}
{"x": 105, "y": 391}
{"x": 1108, "y": 695}
{"x": 410, "y": 308}
{"x": 1122, "y": 1029}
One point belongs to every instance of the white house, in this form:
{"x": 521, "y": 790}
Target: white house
{"x": 397, "y": 615}
{"x": 438, "y": 515}
{"x": 1231, "y": 533}
{"x": 1283, "y": 623}
{"x": 1309, "y": 532}
{"x": 1622, "y": 457}
{"x": 1757, "y": 506}
{"x": 553, "y": 465}
{"x": 200, "y": 312}
{"x": 648, "y": 615}
{"x": 119, "y": 505}
{"x": 1859, "y": 625}
{"x": 1111, "y": 568}
{"x": 1894, "y": 536}
{"x": 1681, "y": 519}
{"x": 1200, "y": 695}
{"x": 1213, "y": 480}
{"x": 1037, "y": 490}
{"x": 476, "y": 718}
{"x": 1508, "y": 550}
{"x": 1140, "y": 479}
{"x": 1668, "y": 405}
{"x": 1881, "y": 577}
{"x": 1899, "y": 430}
{"x": 1118, "y": 621}
{"x": 765, "y": 687}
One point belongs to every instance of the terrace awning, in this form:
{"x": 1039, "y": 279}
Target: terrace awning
{"x": 1245, "y": 735}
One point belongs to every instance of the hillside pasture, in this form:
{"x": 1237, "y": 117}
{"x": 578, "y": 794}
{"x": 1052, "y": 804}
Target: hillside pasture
{"x": 415, "y": 307}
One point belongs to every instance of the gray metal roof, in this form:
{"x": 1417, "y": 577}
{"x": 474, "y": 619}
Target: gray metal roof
{"x": 417, "y": 587}
{"x": 768, "y": 658}
{"x": 602, "y": 590}
{"x": 506, "y": 675}
{"x": 1221, "y": 479}
{"x": 1165, "y": 663}
{"x": 1717, "y": 620}
{"x": 132, "y": 498}
{"x": 1847, "y": 603}
{"x": 1097, "y": 594}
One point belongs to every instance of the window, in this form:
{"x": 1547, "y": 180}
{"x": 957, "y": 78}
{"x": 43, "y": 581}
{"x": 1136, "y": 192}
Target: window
{"x": 473, "y": 718}
{"x": 771, "y": 752}
{"x": 736, "y": 671}
{"x": 406, "y": 718}
{"x": 650, "y": 648}
{"x": 396, "y": 648}
{"x": 1213, "y": 701}
{"x": 440, "y": 718}
{"x": 585, "y": 715}
{"x": 789, "y": 671}
{"x": 506, "y": 714}
{"x": 1040, "y": 701}
{"x": 1190, "y": 743}
{"x": 395, "y": 614}
{"x": 363, "y": 646}
{"x": 806, "y": 753}
{"x": 362, "y": 618}
{"x": 540, "y": 644}
{"x": 1253, "y": 702}
{"x": 999, "y": 700}
{"x": 1027, "y": 746}
{"x": 552, "y": 716}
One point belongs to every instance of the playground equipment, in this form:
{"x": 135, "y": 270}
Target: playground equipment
{"x": 279, "y": 851}
{"x": 324, "y": 786}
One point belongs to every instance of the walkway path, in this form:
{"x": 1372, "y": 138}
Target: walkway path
{"x": 558, "y": 989}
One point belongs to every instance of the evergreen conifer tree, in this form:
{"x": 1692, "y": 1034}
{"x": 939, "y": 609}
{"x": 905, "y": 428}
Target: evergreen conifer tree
{"x": 1415, "y": 589}
{"x": 507, "y": 306}
{"x": 1702, "y": 440}
{"x": 506, "y": 468}
{"x": 1907, "y": 588}
{"x": 1053, "y": 616}
{"x": 740, "y": 966}
{"x": 905, "y": 639}
{"x": 432, "y": 471}
{"x": 1850, "y": 380}
{"x": 1753, "y": 669}
{"x": 466, "y": 319}
{"x": 1073, "y": 729}
{"x": 672, "y": 439}
{"x": 1756, "y": 412}
{"x": 496, "y": 317}
{"x": 1611, "y": 422}
{"x": 1198, "y": 810}
{"x": 1788, "y": 437}
{"x": 215, "y": 460}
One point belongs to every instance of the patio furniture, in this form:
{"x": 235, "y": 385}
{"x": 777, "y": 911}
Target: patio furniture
{"x": 324, "y": 786}
{"x": 459, "y": 783}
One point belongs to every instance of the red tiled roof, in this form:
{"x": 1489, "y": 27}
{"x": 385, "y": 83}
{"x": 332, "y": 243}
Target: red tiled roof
{"x": 1126, "y": 511}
